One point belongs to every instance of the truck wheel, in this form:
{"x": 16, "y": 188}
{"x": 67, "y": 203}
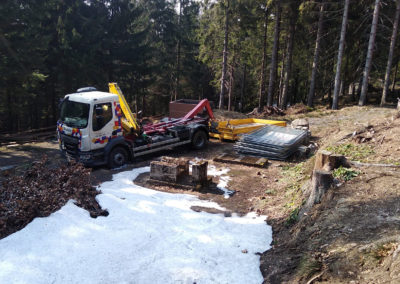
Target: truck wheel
{"x": 199, "y": 140}
{"x": 117, "y": 157}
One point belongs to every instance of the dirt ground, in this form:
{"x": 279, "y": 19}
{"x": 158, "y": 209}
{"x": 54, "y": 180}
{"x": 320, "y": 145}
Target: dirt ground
{"x": 352, "y": 236}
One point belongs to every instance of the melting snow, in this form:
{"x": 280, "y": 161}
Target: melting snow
{"x": 149, "y": 237}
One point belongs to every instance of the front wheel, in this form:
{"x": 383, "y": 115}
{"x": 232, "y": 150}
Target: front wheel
{"x": 199, "y": 140}
{"x": 117, "y": 157}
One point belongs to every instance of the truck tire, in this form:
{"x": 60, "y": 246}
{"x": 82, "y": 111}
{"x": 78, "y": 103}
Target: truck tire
{"x": 199, "y": 140}
{"x": 117, "y": 157}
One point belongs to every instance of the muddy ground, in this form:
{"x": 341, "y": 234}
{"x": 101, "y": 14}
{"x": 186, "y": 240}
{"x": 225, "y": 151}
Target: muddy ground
{"x": 352, "y": 236}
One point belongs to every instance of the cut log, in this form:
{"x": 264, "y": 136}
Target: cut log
{"x": 327, "y": 161}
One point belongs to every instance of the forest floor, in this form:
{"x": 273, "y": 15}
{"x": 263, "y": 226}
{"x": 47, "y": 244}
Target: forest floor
{"x": 353, "y": 235}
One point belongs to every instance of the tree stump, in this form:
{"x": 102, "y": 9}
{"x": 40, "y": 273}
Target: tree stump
{"x": 321, "y": 181}
{"x": 164, "y": 171}
{"x": 326, "y": 161}
{"x": 199, "y": 172}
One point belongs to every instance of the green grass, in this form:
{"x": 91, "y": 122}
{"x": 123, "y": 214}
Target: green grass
{"x": 345, "y": 174}
{"x": 293, "y": 175}
{"x": 293, "y": 172}
{"x": 293, "y": 217}
{"x": 351, "y": 151}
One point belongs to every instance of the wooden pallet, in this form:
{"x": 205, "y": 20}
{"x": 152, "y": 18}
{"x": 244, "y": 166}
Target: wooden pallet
{"x": 242, "y": 160}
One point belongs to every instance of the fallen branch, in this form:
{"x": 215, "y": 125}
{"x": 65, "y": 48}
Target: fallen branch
{"x": 315, "y": 278}
{"x": 359, "y": 164}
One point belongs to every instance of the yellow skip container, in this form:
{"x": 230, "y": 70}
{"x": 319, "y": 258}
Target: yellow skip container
{"x": 233, "y": 128}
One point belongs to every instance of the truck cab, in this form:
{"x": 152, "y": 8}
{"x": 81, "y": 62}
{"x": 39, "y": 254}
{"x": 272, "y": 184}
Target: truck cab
{"x": 98, "y": 128}
{"x": 88, "y": 122}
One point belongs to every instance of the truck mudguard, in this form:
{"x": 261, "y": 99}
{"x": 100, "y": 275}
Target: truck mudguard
{"x": 118, "y": 141}
{"x": 195, "y": 127}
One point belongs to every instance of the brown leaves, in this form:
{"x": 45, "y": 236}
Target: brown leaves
{"x": 43, "y": 190}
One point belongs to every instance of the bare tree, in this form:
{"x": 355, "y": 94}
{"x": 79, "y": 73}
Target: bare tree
{"x": 178, "y": 53}
{"x": 261, "y": 94}
{"x": 368, "y": 61}
{"x": 274, "y": 58}
{"x": 231, "y": 83}
{"x": 316, "y": 56}
{"x": 288, "y": 63}
{"x": 340, "y": 55}
{"x": 224, "y": 57}
{"x": 394, "y": 76}
{"x": 391, "y": 50}
{"x": 242, "y": 88}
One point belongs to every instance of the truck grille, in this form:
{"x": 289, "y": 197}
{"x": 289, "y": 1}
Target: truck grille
{"x": 71, "y": 144}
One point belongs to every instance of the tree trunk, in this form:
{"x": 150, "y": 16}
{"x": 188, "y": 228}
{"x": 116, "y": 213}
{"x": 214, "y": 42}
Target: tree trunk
{"x": 330, "y": 93}
{"x": 288, "y": 65}
{"x": 178, "y": 53}
{"x": 143, "y": 104}
{"x": 231, "y": 82}
{"x": 281, "y": 80}
{"x": 358, "y": 92}
{"x": 261, "y": 94}
{"x": 274, "y": 59}
{"x": 368, "y": 61}
{"x": 395, "y": 75}
{"x": 341, "y": 89}
{"x": 316, "y": 56}
{"x": 353, "y": 92}
{"x": 224, "y": 58}
{"x": 242, "y": 89}
{"x": 391, "y": 50}
{"x": 340, "y": 55}
{"x": 295, "y": 88}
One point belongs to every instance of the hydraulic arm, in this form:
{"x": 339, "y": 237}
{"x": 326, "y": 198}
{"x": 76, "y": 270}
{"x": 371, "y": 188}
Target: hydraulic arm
{"x": 129, "y": 123}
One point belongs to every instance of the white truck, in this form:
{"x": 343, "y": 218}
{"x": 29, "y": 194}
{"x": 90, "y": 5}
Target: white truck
{"x": 98, "y": 128}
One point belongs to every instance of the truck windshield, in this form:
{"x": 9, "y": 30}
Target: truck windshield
{"x": 74, "y": 114}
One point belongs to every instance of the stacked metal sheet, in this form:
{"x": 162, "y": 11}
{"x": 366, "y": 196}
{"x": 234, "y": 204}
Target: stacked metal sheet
{"x": 273, "y": 142}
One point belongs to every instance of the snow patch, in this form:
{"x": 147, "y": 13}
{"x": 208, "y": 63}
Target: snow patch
{"x": 223, "y": 179}
{"x": 148, "y": 237}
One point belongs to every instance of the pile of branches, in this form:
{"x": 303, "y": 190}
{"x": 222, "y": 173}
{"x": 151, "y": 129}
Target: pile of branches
{"x": 298, "y": 109}
{"x": 266, "y": 112}
{"x": 43, "y": 190}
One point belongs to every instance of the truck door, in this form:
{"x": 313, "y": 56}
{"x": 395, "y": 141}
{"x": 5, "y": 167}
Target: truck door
{"x": 102, "y": 125}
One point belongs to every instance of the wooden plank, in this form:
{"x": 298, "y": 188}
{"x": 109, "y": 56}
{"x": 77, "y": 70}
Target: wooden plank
{"x": 242, "y": 160}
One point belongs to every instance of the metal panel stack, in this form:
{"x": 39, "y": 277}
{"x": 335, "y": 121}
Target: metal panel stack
{"x": 273, "y": 142}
